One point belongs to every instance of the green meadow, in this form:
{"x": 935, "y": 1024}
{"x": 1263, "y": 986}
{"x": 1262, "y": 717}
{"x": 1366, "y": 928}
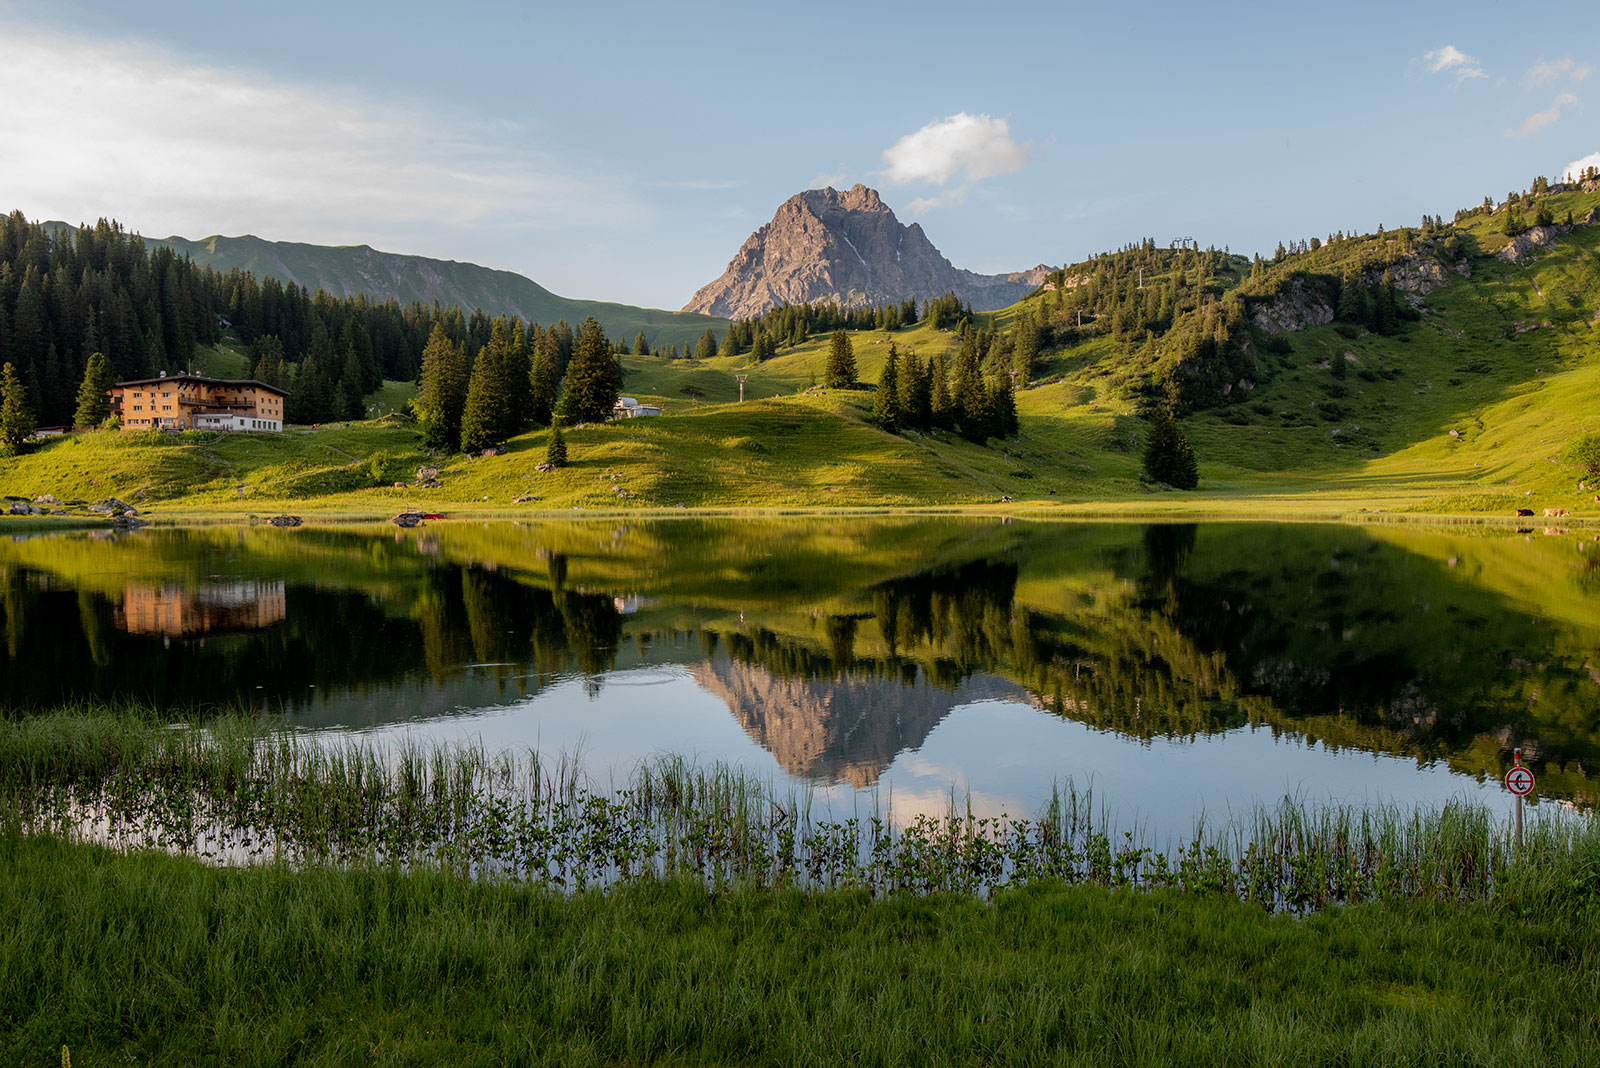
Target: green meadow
{"x": 1464, "y": 411}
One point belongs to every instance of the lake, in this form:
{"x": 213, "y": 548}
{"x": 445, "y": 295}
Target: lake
{"x": 907, "y": 664}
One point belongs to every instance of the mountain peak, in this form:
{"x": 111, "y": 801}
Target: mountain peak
{"x": 857, "y": 198}
{"x": 847, "y": 248}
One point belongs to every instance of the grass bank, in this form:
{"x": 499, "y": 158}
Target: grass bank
{"x": 419, "y": 908}
{"x": 149, "y": 958}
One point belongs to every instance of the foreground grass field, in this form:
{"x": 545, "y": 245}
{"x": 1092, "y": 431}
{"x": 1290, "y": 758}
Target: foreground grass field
{"x": 150, "y": 959}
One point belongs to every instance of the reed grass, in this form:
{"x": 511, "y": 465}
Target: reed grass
{"x": 239, "y": 791}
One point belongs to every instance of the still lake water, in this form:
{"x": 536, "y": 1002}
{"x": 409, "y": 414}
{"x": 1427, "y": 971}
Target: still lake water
{"x": 1174, "y": 669}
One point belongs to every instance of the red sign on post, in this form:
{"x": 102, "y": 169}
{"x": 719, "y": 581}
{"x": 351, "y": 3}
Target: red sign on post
{"x": 1519, "y": 780}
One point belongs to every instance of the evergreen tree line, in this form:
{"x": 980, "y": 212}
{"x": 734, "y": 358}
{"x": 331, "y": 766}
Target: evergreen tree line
{"x": 913, "y": 394}
{"x": 1164, "y": 306}
{"x": 519, "y": 378}
{"x": 66, "y": 294}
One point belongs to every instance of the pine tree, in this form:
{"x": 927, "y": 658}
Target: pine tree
{"x": 707, "y": 346}
{"x": 94, "y": 399}
{"x": 1005, "y": 405}
{"x": 1352, "y": 299}
{"x": 555, "y": 453}
{"x": 641, "y": 347}
{"x": 1168, "y": 456}
{"x": 441, "y": 390}
{"x": 916, "y": 391}
{"x": 483, "y": 420}
{"x": 970, "y": 413}
{"x": 841, "y": 362}
{"x": 886, "y": 404}
{"x": 589, "y": 393}
{"x": 16, "y": 414}
{"x": 943, "y": 408}
{"x": 507, "y": 355}
{"x": 1387, "y": 312}
{"x": 340, "y": 400}
{"x": 545, "y": 376}
{"x": 266, "y": 360}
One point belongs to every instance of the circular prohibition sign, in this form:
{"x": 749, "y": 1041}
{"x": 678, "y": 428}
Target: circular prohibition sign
{"x": 1519, "y": 780}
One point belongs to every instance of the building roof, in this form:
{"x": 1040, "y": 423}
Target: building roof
{"x": 202, "y": 380}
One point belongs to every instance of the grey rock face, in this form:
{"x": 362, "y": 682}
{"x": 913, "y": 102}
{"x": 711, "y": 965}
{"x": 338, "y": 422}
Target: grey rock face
{"x": 1525, "y": 243}
{"x": 824, "y": 245}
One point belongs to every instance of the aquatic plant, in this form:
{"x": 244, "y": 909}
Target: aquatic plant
{"x": 237, "y": 791}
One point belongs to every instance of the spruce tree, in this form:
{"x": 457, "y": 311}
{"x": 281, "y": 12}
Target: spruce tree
{"x": 94, "y": 399}
{"x": 1352, "y": 299}
{"x": 970, "y": 402}
{"x": 886, "y": 404}
{"x": 483, "y": 420}
{"x": 1168, "y": 456}
{"x": 16, "y": 414}
{"x": 916, "y": 391}
{"x": 441, "y": 390}
{"x": 943, "y": 408}
{"x": 1387, "y": 313}
{"x": 544, "y": 377}
{"x": 590, "y": 392}
{"x": 1005, "y": 403}
{"x": 339, "y": 401}
{"x": 555, "y": 453}
{"x": 707, "y": 346}
{"x": 841, "y": 362}
{"x": 266, "y": 360}
{"x": 641, "y": 347}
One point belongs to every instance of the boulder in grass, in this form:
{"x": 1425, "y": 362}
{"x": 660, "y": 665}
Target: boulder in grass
{"x": 285, "y": 520}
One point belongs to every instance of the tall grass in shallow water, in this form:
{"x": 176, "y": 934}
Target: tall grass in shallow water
{"x": 235, "y": 792}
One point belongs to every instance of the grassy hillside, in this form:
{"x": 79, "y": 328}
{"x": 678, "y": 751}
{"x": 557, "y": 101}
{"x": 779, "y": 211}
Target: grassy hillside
{"x": 1463, "y": 409}
{"x": 345, "y": 271}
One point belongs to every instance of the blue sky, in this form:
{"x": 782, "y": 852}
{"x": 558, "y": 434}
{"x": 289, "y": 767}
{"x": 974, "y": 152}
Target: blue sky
{"x": 624, "y": 151}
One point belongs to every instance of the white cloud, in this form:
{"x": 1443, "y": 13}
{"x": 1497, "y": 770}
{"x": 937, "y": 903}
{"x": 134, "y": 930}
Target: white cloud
{"x": 1546, "y": 71}
{"x": 1451, "y": 58}
{"x": 169, "y": 145}
{"x": 1540, "y": 119}
{"x": 974, "y": 146}
{"x": 1578, "y": 166}
{"x": 922, "y": 205}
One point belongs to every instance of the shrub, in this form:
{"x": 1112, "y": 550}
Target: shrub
{"x": 1583, "y": 451}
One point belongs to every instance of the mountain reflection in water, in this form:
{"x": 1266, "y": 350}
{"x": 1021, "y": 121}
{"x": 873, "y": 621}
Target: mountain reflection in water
{"x": 838, "y": 645}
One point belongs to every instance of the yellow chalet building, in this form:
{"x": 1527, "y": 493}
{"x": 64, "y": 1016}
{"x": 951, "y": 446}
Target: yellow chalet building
{"x": 193, "y": 402}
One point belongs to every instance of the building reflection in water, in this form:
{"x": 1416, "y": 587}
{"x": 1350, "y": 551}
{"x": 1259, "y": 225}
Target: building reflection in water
{"x": 176, "y": 612}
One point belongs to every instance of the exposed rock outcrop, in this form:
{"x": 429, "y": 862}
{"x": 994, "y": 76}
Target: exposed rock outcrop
{"x": 824, "y": 245}
{"x": 1521, "y": 246}
{"x": 1297, "y": 308}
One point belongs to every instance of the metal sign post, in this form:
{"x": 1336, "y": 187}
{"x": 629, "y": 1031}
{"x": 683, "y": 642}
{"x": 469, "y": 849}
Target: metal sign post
{"x": 1519, "y": 780}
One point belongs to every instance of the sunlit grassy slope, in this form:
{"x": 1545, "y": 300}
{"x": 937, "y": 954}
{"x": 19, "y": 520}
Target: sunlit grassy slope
{"x": 1465, "y": 411}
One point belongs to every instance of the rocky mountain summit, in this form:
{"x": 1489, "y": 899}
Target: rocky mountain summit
{"x": 824, "y": 245}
